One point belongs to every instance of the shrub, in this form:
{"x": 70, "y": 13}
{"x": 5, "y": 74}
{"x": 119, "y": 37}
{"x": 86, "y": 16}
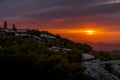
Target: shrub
{"x": 108, "y": 67}
{"x": 102, "y": 55}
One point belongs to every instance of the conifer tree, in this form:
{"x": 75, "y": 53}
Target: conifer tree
{"x": 5, "y": 24}
{"x": 14, "y": 27}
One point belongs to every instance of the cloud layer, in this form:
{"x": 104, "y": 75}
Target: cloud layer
{"x": 62, "y": 13}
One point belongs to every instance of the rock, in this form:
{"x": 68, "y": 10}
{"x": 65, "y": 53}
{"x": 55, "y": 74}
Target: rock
{"x": 96, "y": 70}
{"x": 56, "y": 49}
{"x": 47, "y": 36}
{"x": 87, "y": 57}
{"x": 116, "y": 70}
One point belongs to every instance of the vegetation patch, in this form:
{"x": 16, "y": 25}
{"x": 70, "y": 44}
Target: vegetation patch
{"x": 27, "y": 55}
{"x": 108, "y": 67}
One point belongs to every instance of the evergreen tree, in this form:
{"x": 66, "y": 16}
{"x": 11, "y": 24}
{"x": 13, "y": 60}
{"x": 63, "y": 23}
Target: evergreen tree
{"x": 5, "y": 25}
{"x": 14, "y": 28}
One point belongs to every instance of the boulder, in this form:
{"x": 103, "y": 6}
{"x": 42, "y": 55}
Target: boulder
{"x": 96, "y": 69}
{"x": 87, "y": 57}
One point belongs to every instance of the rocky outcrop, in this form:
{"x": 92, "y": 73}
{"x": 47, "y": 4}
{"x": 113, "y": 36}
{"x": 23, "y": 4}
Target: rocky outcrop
{"x": 87, "y": 57}
{"x": 96, "y": 69}
{"x": 56, "y": 49}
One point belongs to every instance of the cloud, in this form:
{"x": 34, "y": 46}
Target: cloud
{"x": 56, "y": 8}
{"x": 76, "y": 11}
{"x": 56, "y": 12}
{"x": 59, "y": 20}
{"x": 108, "y": 2}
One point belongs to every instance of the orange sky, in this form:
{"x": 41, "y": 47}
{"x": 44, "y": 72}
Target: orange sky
{"x": 77, "y": 32}
{"x": 80, "y": 35}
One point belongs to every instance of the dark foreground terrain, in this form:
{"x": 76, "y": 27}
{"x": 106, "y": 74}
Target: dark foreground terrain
{"x": 30, "y": 52}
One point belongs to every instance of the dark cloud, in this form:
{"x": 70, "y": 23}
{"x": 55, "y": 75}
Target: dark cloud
{"x": 57, "y": 9}
{"x": 54, "y": 8}
{"x": 76, "y": 11}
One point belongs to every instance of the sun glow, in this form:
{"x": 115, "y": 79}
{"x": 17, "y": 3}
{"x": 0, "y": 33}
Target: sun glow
{"x": 90, "y": 32}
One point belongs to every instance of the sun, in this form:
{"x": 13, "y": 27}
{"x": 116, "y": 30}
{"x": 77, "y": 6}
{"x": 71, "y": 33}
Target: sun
{"x": 90, "y": 32}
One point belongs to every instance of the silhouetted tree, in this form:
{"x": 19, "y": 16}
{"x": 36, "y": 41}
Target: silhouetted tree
{"x": 5, "y": 25}
{"x": 14, "y": 27}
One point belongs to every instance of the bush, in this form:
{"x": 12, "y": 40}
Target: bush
{"x": 108, "y": 67}
{"x": 85, "y": 47}
{"x": 102, "y": 55}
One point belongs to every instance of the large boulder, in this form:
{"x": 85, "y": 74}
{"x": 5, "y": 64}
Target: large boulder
{"x": 96, "y": 69}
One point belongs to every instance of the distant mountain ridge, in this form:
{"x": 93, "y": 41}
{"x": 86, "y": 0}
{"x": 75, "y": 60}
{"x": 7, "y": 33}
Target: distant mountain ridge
{"x": 106, "y": 46}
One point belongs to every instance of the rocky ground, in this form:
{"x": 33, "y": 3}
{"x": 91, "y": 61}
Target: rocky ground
{"x": 96, "y": 69}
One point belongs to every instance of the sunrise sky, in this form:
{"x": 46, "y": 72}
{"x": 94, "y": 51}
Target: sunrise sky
{"x": 78, "y": 20}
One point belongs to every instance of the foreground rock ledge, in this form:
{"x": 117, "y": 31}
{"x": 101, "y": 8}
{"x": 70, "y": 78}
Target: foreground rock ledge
{"x": 96, "y": 69}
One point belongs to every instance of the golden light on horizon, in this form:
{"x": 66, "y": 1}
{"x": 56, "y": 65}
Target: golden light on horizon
{"x": 87, "y": 34}
{"x": 90, "y": 32}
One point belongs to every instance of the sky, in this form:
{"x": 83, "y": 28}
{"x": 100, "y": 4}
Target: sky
{"x": 69, "y": 18}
